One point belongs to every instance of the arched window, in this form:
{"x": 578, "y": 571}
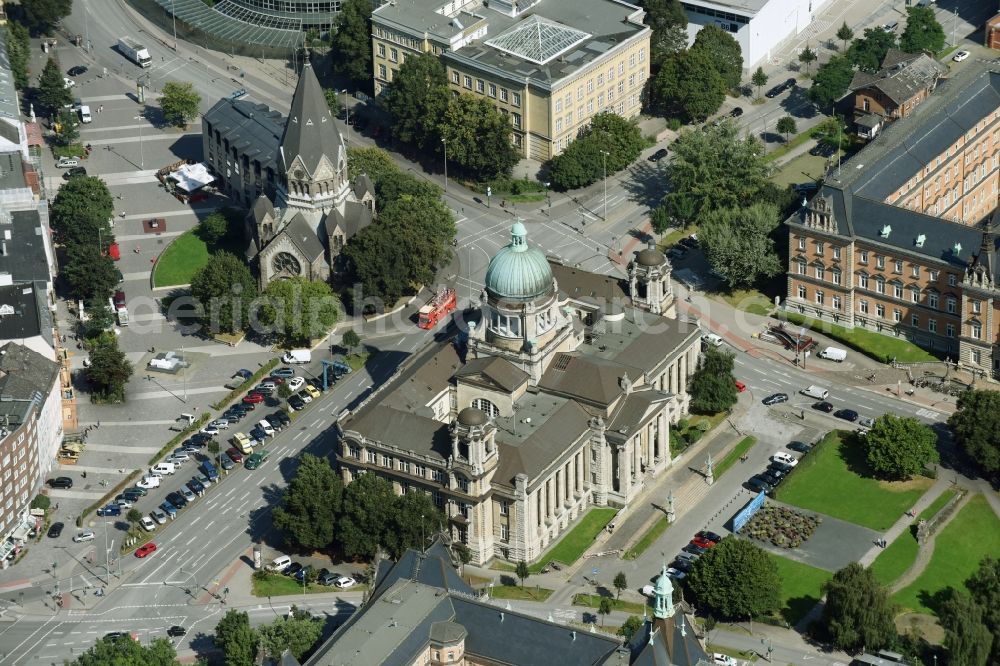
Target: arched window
{"x": 486, "y": 407}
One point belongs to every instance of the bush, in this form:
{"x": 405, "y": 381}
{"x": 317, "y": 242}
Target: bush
{"x": 693, "y": 436}
{"x": 41, "y": 502}
{"x": 682, "y": 424}
{"x": 674, "y": 124}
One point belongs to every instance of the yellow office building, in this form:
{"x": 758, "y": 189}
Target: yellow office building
{"x": 549, "y": 66}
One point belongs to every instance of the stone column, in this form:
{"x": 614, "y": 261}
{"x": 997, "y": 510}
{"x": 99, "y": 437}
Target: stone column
{"x": 625, "y": 469}
{"x": 549, "y": 504}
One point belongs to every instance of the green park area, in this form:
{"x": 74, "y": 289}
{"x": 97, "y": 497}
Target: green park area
{"x": 801, "y": 587}
{"x": 893, "y": 562}
{"x": 877, "y": 345}
{"x": 958, "y": 548}
{"x": 577, "y": 540}
{"x": 275, "y": 585}
{"x": 191, "y": 251}
{"x": 834, "y": 479}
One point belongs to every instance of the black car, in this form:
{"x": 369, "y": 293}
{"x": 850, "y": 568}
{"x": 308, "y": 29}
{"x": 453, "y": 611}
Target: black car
{"x": 823, "y": 150}
{"x": 196, "y": 486}
{"x": 131, "y": 494}
{"x": 775, "y": 398}
{"x": 780, "y": 88}
{"x": 784, "y": 468}
{"x": 73, "y": 172}
{"x": 689, "y": 241}
{"x": 296, "y": 402}
{"x": 55, "y": 530}
{"x": 823, "y": 406}
{"x": 694, "y": 549}
{"x": 177, "y": 500}
{"x": 316, "y": 383}
{"x": 280, "y": 417}
{"x": 771, "y": 476}
{"x": 114, "y": 635}
{"x": 200, "y": 438}
{"x": 658, "y": 155}
{"x": 61, "y": 482}
{"x": 801, "y": 447}
{"x": 758, "y": 484}
{"x": 736, "y": 113}
{"x": 682, "y": 565}
{"x": 176, "y": 631}
{"x": 292, "y": 569}
{"x": 79, "y": 70}
{"x": 709, "y": 536}
{"x": 301, "y": 574}
{"x": 805, "y": 188}
{"x": 847, "y": 415}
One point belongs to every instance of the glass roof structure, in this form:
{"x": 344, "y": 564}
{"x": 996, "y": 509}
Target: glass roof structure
{"x": 232, "y": 22}
{"x": 537, "y": 39}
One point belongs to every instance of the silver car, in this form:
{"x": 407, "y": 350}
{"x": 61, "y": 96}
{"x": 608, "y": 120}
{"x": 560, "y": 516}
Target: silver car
{"x": 187, "y": 494}
{"x": 159, "y": 516}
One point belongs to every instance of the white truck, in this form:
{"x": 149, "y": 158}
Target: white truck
{"x": 833, "y": 354}
{"x": 297, "y": 356}
{"x": 134, "y": 51}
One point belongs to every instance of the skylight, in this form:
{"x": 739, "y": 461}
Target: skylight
{"x": 537, "y": 39}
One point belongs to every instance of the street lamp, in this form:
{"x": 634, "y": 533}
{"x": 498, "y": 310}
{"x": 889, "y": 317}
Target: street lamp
{"x": 604, "y": 162}
{"x": 142, "y": 162}
{"x": 173, "y": 15}
{"x": 548, "y": 194}
{"x": 444, "y": 141}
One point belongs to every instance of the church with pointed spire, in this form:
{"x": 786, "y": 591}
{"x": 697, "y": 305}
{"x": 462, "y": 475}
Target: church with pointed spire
{"x": 291, "y": 173}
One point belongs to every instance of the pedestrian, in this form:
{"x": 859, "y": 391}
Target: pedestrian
{"x": 98, "y": 424}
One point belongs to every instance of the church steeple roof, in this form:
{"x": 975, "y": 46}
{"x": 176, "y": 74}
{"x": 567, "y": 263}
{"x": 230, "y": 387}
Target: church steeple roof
{"x": 310, "y": 132}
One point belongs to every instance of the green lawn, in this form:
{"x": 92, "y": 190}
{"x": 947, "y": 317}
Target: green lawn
{"x": 276, "y": 585}
{"x": 801, "y": 169}
{"x": 748, "y": 300}
{"x": 744, "y": 445}
{"x": 936, "y": 505}
{"x": 528, "y": 593}
{"x": 594, "y": 601}
{"x": 893, "y": 562}
{"x": 833, "y": 479}
{"x": 970, "y": 536}
{"x": 648, "y": 539}
{"x": 801, "y": 587}
{"x": 181, "y": 260}
{"x": 571, "y": 546}
{"x": 880, "y": 347}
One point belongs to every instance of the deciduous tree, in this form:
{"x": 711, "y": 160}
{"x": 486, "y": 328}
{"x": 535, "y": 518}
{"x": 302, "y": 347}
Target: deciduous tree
{"x": 298, "y": 634}
{"x": 41, "y": 16}
{"x": 688, "y": 86}
{"x": 583, "y": 161}
{"x": 844, "y": 34}
{"x": 415, "y": 518}
{"x": 968, "y": 639}
{"x": 631, "y": 626}
{"x": 899, "y": 447}
{"x": 417, "y": 100}
{"x": 350, "y": 340}
{"x": 722, "y": 53}
{"x": 923, "y": 32}
{"x": 831, "y": 81}
{"x": 89, "y": 273}
{"x": 81, "y": 212}
{"x": 332, "y": 101}
{"x": 225, "y": 289}
{"x": 477, "y": 138}
{"x": 807, "y": 57}
{"x": 786, "y": 126}
{"x": 367, "y": 516}
{"x": 352, "y": 42}
{"x": 668, "y": 23}
{"x": 857, "y": 612}
{"x": 372, "y": 161}
{"x": 109, "y": 369}
{"x": 299, "y": 309}
{"x": 713, "y": 387}
{"x": 605, "y": 608}
{"x": 66, "y": 129}
{"x": 213, "y": 228}
{"x": 620, "y": 583}
{"x": 127, "y": 652}
{"x": 179, "y": 103}
{"x": 19, "y": 53}
{"x": 868, "y": 52}
{"x": 759, "y": 80}
{"x": 738, "y": 243}
{"x": 976, "y": 424}
{"x": 522, "y": 571}
{"x": 735, "y": 580}
{"x": 52, "y": 92}
{"x": 236, "y": 639}
{"x": 310, "y": 505}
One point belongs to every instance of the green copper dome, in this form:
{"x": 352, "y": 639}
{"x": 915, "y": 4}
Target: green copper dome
{"x": 519, "y": 272}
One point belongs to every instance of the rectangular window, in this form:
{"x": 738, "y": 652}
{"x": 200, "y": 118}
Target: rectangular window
{"x": 819, "y": 297}
{"x": 863, "y": 307}
{"x": 820, "y": 272}
{"x": 897, "y": 316}
{"x": 863, "y": 281}
{"x": 835, "y": 302}
{"x": 863, "y": 257}
{"x": 932, "y": 300}
{"x": 492, "y": 90}
{"x": 879, "y": 261}
{"x": 642, "y": 54}
{"x": 504, "y": 507}
{"x": 404, "y": 466}
{"x": 480, "y": 86}
{"x": 897, "y": 291}
{"x": 880, "y": 286}
{"x": 951, "y": 305}
{"x": 558, "y": 106}
{"x": 802, "y": 292}
{"x": 621, "y": 68}
{"x": 463, "y": 484}
{"x": 503, "y": 94}
{"x": 933, "y": 275}
{"x": 558, "y": 124}
{"x": 880, "y": 310}
{"x": 915, "y": 271}
{"x": 372, "y": 457}
{"x": 515, "y": 119}
{"x": 932, "y": 325}
{"x": 819, "y": 248}
{"x": 504, "y": 532}
{"x": 949, "y": 330}
{"x": 393, "y": 55}
{"x": 579, "y": 93}
{"x": 455, "y": 78}
{"x": 515, "y": 99}
{"x": 569, "y": 120}
{"x": 897, "y": 266}
{"x": 600, "y": 102}
{"x": 468, "y": 81}
{"x": 836, "y": 253}
{"x": 590, "y": 106}
{"x": 951, "y": 280}
{"x": 802, "y": 243}
{"x": 975, "y": 330}
{"x": 381, "y": 72}
{"x": 611, "y": 74}
{"x": 590, "y": 85}
{"x": 802, "y": 267}
{"x": 381, "y": 50}
{"x": 977, "y": 357}
{"x": 600, "y": 80}
{"x": 975, "y": 307}
{"x": 914, "y": 321}
{"x": 631, "y": 60}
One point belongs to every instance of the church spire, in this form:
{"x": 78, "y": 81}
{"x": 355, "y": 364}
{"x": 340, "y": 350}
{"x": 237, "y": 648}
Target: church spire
{"x": 310, "y": 132}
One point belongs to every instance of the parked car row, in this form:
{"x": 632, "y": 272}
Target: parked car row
{"x": 781, "y": 465}
{"x": 284, "y": 564}
{"x": 698, "y": 546}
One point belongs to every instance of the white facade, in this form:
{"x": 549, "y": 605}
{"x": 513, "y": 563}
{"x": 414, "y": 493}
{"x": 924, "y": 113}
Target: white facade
{"x": 759, "y": 26}
{"x": 50, "y": 430}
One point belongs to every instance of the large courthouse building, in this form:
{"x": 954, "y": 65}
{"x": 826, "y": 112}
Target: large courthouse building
{"x": 560, "y": 398}
{"x": 548, "y": 65}
{"x": 902, "y": 239}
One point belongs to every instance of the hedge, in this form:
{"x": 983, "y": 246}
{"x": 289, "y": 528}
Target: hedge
{"x": 184, "y": 434}
{"x": 247, "y": 385}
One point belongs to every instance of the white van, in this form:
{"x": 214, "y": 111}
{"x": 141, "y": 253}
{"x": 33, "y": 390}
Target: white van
{"x": 266, "y": 427}
{"x": 833, "y": 354}
{"x": 280, "y": 563}
{"x": 817, "y": 392}
{"x": 162, "y": 468}
{"x": 711, "y": 340}
{"x": 85, "y": 116}
{"x": 67, "y": 162}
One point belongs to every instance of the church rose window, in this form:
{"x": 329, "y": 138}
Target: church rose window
{"x": 286, "y": 263}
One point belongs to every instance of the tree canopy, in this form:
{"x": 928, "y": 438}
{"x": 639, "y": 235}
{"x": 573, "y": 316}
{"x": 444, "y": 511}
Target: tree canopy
{"x": 298, "y": 634}
{"x": 179, "y": 103}
{"x": 89, "y": 273}
{"x": 18, "y": 53}
{"x": 299, "y": 309}
{"x": 976, "y": 424}
{"x": 41, "y": 16}
{"x": 898, "y": 447}
{"x": 52, "y": 93}
{"x": 81, "y": 212}
{"x": 668, "y": 23}
{"x": 225, "y": 289}
{"x": 310, "y": 505}
{"x": 722, "y": 53}
{"x": 737, "y": 242}
{"x": 923, "y": 32}
{"x": 867, "y": 52}
{"x": 688, "y": 86}
{"x": 417, "y": 100}
{"x": 735, "y": 580}
{"x": 477, "y": 138}
{"x": 845, "y": 34}
{"x": 857, "y": 613}
{"x": 584, "y": 161}
{"x": 967, "y": 636}
{"x": 109, "y": 369}
{"x": 351, "y": 40}
{"x": 128, "y": 652}
{"x": 712, "y": 386}
{"x": 237, "y": 640}
{"x": 831, "y": 81}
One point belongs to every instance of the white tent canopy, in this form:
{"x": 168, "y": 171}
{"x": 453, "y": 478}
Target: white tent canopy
{"x": 191, "y": 177}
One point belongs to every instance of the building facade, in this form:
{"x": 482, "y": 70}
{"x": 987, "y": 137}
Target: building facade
{"x": 901, "y": 240}
{"x": 548, "y": 66}
{"x": 560, "y": 397}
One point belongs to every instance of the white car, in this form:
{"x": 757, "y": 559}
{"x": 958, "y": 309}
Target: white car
{"x": 87, "y": 535}
{"x": 295, "y": 383}
{"x": 345, "y": 582}
{"x": 712, "y": 340}
{"x": 69, "y": 83}
{"x": 210, "y": 429}
{"x": 723, "y": 659}
{"x": 147, "y": 524}
{"x": 785, "y": 458}
{"x": 220, "y": 424}
{"x": 960, "y": 56}
{"x": 149, "y": 482}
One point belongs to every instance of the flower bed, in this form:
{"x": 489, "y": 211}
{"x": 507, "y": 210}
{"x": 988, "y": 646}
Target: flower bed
{"x": 782, "y": 526}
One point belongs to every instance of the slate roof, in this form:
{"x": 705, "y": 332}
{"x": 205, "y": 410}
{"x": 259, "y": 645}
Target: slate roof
{"x": 901, "y": 76}
{"x": 423, "y": 381}
{"x": 582, "y": 285}
{"x": 253, "y": 127}
{"x": 29, "y": 316}
{"x": 497, "y": 370}
{"x": 303, "y": 237}
{"x": 310, "y": 132}
{"x": 25, "y": 257}
{"x": 594, "y": 380}
{"x": 631, "y": 411}
{"x": 419, "y": 434}
{"x": 362, "y": 186}
{"x": 432, "y": 567}
{"x": 555, "y": 426}
{"x": 24, "y": 372}
{"x": 356, "y": 217}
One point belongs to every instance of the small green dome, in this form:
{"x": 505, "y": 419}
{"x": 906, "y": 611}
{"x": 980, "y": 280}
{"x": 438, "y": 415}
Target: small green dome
{"x": 519, "y": 272}
{"x": 664, "y": 586}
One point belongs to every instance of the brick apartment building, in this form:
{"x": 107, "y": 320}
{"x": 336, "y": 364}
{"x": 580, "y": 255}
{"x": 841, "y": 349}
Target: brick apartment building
{"x": 900, "y": 239}
{"x": 903, "y": 81}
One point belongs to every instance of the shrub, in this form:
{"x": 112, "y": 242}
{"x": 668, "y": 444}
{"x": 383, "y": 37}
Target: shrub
{"x": 693, "y": 436}
{"x": 41, "y": 502}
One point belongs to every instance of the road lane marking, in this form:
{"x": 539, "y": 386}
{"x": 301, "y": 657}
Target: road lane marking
{"x": 189, "y": 541}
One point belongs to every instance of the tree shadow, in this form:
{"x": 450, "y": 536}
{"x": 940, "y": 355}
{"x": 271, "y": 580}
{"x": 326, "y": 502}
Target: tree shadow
{"x": 798, "y": 105}
{"x": 852, "y": 452}
{"x": 646, "y": 185}
{"x": 797, "y": 608}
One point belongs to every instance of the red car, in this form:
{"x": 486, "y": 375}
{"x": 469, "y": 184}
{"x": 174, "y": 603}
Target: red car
{"x": 145, "y": 549}
{"x": 235, "y": 455}
{"x": 740, "y": 386}
{"x": 253, "y": 398}
{"x": 276, "y": 380}
{"x": 702, "y": 542}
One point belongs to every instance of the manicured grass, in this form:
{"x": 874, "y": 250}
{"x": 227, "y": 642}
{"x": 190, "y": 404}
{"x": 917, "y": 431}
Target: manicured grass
{"x": 594, "y": 601}
{"x": 527, "y": 593}
{"x": 880, "y": 347}
{"x": 834, "y": 479}
{"x": 936, "y": 505}
{"x": 72, "y": 150}
{"x": 893, "y": 562}
{"x": 704, "y": 424}
{"x": 571, "y": 546}
{"x": 276, "y": 585}
{"x": 732, "y": 652}
{"x": 744, "y": 445}
{"x": 648, "y": 539}
{"x": 801, "y": 587}
{"x": 748, "y": 300}
{"x": 672, "y": 237}
{"x": 181, "y": 260}
{"x": 970, "y": 536}
{"x": 800, "y": 169}
{"x": 788, "y": 146}
{"x": 357, "y": 361}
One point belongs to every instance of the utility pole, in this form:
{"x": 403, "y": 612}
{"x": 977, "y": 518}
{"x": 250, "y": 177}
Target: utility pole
{"x": 445, "y": 142}
{"x": 604, "y": 163}
{"x": 173, "y": 15}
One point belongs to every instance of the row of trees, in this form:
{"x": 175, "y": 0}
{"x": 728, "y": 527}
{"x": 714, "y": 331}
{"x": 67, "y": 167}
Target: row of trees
{"x": 318, "y": 512}
{"x": 408, "y": 242}
{"x": 242, "y": 645}
{"x": 692, "y": 84}
{"x": 971, "y": 617}
{"x": 976, "y": 425}
{"x": 609, "y": 144}
{"x": 866, "y": 53}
